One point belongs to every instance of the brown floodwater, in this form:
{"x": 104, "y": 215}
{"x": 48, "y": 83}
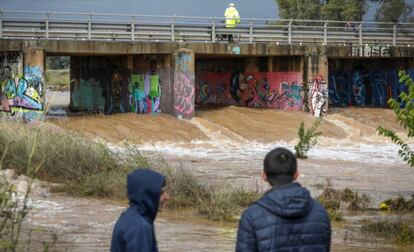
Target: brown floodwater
{"x": 227, "y": 145}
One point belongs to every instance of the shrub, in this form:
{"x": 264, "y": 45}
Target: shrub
{"x": 404, "y": 110}
{"x": 307, "y": 139}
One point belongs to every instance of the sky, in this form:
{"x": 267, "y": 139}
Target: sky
{"x": 266, "y": 9}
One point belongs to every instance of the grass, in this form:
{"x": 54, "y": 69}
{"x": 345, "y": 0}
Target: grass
{"x": 400, "y": 204}
{"x": 335, "y": 200}
{"x": 84, "y": 167}
{"x": 398, "y": 231}
{"x": 58, "y": 79}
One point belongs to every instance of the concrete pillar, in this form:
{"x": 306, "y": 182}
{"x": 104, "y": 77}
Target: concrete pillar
{"x": 34, "y": 74}
{"x": 251, "y": 65}
{"x": 316, "y": 90}
{"x": 167, "y": 84}
{"x": 270, "y": 64}
{"x": 184, "y": 84}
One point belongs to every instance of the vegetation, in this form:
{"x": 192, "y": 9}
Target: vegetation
{"x": 57, "y": 79}
{"x": 400, "y": 204}
{"x": 404, "y": 111}
{"x": 350, "y": 10}
{"x": 57, "y": 62}
{"x": 14, "y": 205}
{"x": 333, "y": 200}
{"x": 393, "y": 11}
{"x": 400, "y": 232}
{"x": 83, "y": 167}
{"x": 307, "y": 139}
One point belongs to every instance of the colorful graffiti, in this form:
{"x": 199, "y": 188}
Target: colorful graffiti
{"x": 318, "y": 96}
{"x": 277, "y": 90}
{"x": 144, "y": 93}
{"x": 87, "y": 95}
{"x": 360, "y": 87}
{"x": 184, "y": 87}
{"x": 20, "y": 97}
{"x": 184, "y": 95}
{"x": 34, "y": 75}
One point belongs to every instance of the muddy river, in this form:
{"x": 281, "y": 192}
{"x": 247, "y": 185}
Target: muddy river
{"x": 228, "y": 145}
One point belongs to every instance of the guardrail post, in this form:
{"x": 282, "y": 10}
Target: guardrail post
{"x": 251, "y": 31}
{"x": 213, "y": 30}
{"x": 133, "y": 28}
{"x": 172, "y": 28}
{"x": 394, "y": 35}
{"x": 47, "y": 25}
{"x": 290, "y": 32}
{"x": 1, "y": 24}
{"x": 360, "y": 34}
{"x": 325, "y": 33}
{"x": 90, "y": 27}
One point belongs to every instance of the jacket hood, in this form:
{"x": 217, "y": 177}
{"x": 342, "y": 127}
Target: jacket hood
{"x": 287, "y": 201}
{"x": 144, "y": 191}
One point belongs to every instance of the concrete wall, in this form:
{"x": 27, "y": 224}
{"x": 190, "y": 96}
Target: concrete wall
{"x": 128, "y": 83}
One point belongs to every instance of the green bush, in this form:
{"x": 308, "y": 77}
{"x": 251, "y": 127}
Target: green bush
{"x": 307, "y": 139}
{"x": 404, "y": 110}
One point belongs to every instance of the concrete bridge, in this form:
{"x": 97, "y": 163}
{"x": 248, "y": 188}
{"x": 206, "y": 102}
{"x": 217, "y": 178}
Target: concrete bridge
{"x": 144, "y": 64}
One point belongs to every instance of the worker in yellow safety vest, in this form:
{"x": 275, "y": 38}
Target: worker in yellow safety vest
{"x": 232, "y": 18}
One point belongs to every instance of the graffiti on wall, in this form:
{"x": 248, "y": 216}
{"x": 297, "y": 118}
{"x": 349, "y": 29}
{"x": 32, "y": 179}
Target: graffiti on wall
{"x": 20, "y": 97}
{"x": 184, "y": 95}
{"x": 144, "y": 93}
{"x": 360, "y": 87}
{"x": 184, "y": 90}
{"x": 277, "y": 90}
{"x": 318, "y": 96}
{"x": 34, "y": 75}
{"x": 9, "y": 65}
{"x": 370, "y": 51}
{"x": 87, "y": 95}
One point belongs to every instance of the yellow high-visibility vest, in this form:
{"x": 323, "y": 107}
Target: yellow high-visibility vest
{"x": 232, "y": 17}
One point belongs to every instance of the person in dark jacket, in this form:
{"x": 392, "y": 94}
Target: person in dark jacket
{"x": 134, "y": 230}
{"x": 285, "y": 218}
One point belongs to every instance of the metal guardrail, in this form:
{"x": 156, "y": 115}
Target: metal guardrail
{"x": 120, "y": 27}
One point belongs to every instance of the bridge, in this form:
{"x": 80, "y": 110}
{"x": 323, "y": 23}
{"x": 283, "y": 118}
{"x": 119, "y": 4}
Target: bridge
{"x": 147, "y": 28}
{"x": 145, "y": 63}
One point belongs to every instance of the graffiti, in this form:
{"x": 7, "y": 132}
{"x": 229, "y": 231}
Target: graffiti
{"x": 277, "y": 90}
{"x": 184, "y": 95}
{"x": 9, "y": 65}
{"x": 370, "y": 51}
{"x": 144, "y": 93}
{"x": 318, "y": 96}
{"x": 183, "y": 61}
{"x": 19, "y": 95}
{"x": 87, "y": 95}
{"x": 34, "y": 75}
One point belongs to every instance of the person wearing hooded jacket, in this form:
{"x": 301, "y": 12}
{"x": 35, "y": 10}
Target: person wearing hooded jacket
{"x": 285, "y": 218}
{"x": 134, "y": 229}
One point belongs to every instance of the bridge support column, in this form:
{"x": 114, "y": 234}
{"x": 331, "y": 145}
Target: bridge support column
{"x": 184, "y": 83}
{"x": 34, "y": 74}
{"x": 316, "y": 75}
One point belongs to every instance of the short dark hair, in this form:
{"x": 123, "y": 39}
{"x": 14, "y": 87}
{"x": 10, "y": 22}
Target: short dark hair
{"x": 280, "y": 165}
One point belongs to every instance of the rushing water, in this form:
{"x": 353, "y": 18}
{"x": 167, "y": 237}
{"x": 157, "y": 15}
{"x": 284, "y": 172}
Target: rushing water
{"x": 227, "y": 145}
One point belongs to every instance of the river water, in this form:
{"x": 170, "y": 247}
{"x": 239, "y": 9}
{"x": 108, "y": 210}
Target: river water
{"x": 227, "y": 145}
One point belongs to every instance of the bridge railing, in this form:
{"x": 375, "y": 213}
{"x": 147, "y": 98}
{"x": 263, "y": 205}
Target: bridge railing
{"x": 150, "y": 28}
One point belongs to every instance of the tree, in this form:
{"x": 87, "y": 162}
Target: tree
{"x": 350, "y": 10}
{"x": 299, "y": 9}
{"x": 393, "y": 11}
{"x": 404, "y": 110}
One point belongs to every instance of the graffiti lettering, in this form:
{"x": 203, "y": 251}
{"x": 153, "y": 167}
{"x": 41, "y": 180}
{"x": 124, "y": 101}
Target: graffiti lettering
{"x": 370, "y": 51}
{"x": 318, "y": 96}
{"x": 184, "y": 95}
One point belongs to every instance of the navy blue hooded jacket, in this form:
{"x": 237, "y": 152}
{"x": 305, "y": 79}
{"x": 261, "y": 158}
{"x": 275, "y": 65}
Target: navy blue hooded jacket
{"x": 134, "y": 230}
{"x": 285, "y": 219}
